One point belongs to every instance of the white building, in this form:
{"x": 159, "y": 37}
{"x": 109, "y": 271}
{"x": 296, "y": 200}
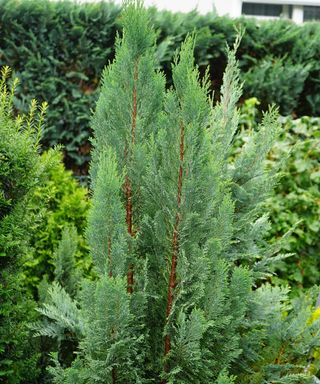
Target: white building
{"x": 297, "y": 10}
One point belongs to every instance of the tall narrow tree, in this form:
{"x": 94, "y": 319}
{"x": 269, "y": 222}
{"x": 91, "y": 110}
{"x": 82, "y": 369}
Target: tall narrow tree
{"x": 195, "y": 210}
{"x": 175, "y": 230}
{"x": 127, "y": 110}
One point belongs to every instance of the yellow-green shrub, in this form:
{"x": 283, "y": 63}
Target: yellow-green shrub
{"x": 61, "y": 201}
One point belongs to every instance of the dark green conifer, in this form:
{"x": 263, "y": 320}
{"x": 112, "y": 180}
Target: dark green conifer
{"x": 21, "y": 170}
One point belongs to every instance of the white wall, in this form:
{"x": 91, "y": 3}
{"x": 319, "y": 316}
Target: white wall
{"x": 228, "y": 7}
{"x": 203, "y": 6}
{"x": 233, "y": 7}
{"x": 291, "y": 2}
{"x": 223, "y": 7}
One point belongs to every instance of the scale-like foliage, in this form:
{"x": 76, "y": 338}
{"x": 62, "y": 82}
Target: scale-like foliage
{"x": 176, "y": 231}
{"x": 63, "y": 314}
{"x": 64, "y": 259}
{"x": 107, "y": 232}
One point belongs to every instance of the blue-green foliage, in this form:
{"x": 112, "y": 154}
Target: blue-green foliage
{"x": 61, "y": 326}
{"x": 64, "y": 259}
{"x": 107, "y": 232}
{"x": 288, "y": 332}
{"x": 176, "y": 231}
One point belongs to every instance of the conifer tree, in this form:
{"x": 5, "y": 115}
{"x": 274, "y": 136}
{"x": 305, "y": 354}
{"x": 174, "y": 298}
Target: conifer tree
{"x": 195, "y": 210}
{"x": 21, "y": 170}
{"x": 126, "y": 114}
{"x": 175, "y": 231}
{"x": 66, "y": 282}
{"x": 65, "y": 271}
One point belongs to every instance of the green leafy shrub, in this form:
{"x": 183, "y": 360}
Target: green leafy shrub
{"x": 295, "y": 203}
{"x": 66, "y": 45}
{"x": 66, "y": 202}
{"x": 177, "y": 235}
{"x": 21, "y": 171}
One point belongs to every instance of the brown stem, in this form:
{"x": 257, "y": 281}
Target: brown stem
{"x": 175, "y": 245}
{"x": 114, "y": 375}
{"x": 128, "y": 189}
{"x": 130, "y": 280}
{"x": 279, "y": 356}
{"x": 128, "y": 193}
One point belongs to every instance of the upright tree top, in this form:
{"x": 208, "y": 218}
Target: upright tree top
{"x": 138, "y": 33}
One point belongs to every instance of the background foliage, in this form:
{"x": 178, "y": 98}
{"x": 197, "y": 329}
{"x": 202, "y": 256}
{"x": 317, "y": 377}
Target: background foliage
{"x": 59, "y": 49}
{"x": 295, "y": 203}
{"x": 22, "y": 169}
{"x": 59, "y": 202}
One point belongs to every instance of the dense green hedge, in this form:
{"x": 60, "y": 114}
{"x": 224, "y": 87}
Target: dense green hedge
{"x": 59, "y": 49}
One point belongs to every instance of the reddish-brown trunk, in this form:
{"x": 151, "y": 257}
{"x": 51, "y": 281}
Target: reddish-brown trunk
{"x": 128, "y": 193}
{"x": 128, "y": 189}
{"x": 175, "y": 245}
{"x": 130, "y": 280}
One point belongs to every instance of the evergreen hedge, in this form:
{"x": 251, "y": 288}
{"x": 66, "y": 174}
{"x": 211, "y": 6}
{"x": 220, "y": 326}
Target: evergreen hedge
{"x": 59, "y": 49}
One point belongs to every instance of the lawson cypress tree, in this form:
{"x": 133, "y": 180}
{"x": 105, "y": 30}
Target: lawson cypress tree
{"x": 176, "y": 233}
